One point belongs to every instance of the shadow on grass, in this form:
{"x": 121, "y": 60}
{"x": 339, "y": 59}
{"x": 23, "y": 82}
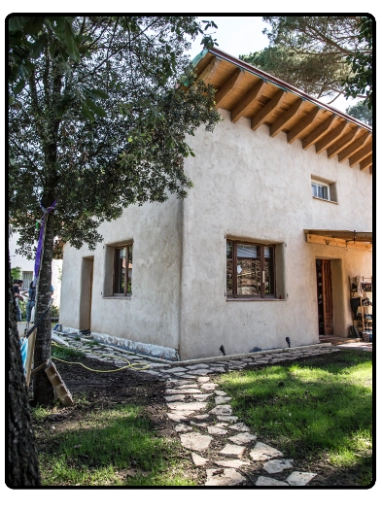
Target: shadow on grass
{"x": 109, "y": 448}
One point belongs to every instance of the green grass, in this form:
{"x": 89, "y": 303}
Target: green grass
{"x": 108, "y": 447}
{"x": 67, "y": 353}
{"x": 317, "y": 409}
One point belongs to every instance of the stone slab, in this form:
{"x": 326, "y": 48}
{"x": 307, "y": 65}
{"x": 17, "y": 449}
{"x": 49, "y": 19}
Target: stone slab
{"x": 242, "y": 438}
{"x": 208, "y": 386}
{"x": 240, "y": 427}
{"x": 173, "y": 370}
{"x": 202, "y": 397}
{"x": 298, "y": 478}
{"x": 222, "y": 410}
{"x": 265, "y": 481}
{"x": 198, "y": 460}
{"x": 231, "y": 463}
{"x": 203, "y": 379}
{"x": 195, "y": 441}
{"x": 197, "y": 366}
{"x": 220, "y": 393}
{"x": 182, "y": 428}
{"x": 186, "y": 406}
{"x": 231, "y": 419}
{"x": 224, "y": 478}
{"x": 232, "y": 450}
{"x": 201, "y": 371}
{"x": 263, "y": 452}
{"x": 179, "y": 416}
{"x": 182, "y": 390}
{"x": 174, "y": 398}
{"x": 277, "y": 465}
{"x": 222, "y": 400}
{"x": 217, "y": 431}
{"x": 201, "y": 424}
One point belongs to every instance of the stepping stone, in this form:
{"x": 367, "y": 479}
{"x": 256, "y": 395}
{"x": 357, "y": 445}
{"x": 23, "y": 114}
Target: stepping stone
{"x": 228, "y": 418}
{"x": 186, "y": 406}
{"x": 231, "y": 463}
{"x": 297, "y": 478}
{"x": 201, "y": 371}
{"x": 201, "y": 417}
{"x": 231, "y": 450}
{"x": 242, "y": 438}
{"x": 208, "y": 386}
{"x": 217, "y": 431}
{"x": 183, "y": 428}
{"x": 195, "y": 367}
{"x": 183, "y": 385}
{"x": 221, "y": 370}
{"x": 263, "y": 452}
{"x": 175, "y": 398}
{"x": 198, "y": 460}
{"x": 264, "y": 481}
{"x": 240, "y": 427}
{"x": 178, "y": 416}
{"x": 203, "y": 379}
{"x": 195, "y": 441}
{"x": 222, "y": 410}
{"x": 202, "y": 424}
{"x": 187, "y": 376}
{"x": 277, "y": 465}
{"x": 184, "y": 391}
{"x": 173, "y": 370}
{"x": 220, "y": 393}
{"x": 224, "y": 478}
{"x": 202, "y": 397}
{"x": 222, "y": 400}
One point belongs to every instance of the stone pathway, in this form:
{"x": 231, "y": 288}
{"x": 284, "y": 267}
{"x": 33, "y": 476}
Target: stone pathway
{"x": 203, "y": 417}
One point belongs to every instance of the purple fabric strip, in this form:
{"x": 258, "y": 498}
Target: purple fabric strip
{"x": 40, "y": 242}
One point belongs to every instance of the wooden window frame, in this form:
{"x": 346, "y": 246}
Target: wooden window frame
{"x": 262, "y": 295}
{"x": 117, "y": 249}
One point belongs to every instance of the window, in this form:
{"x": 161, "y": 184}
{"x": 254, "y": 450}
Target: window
{"x": 320, "y": 190}
{"x": 323, "y": 189}
{"x": 123, "y": 268}
{"x": 27, "y": 279}
{"x": 250, "y": 270}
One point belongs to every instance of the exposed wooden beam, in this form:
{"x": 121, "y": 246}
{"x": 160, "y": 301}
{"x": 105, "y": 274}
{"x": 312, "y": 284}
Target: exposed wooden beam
{"x": 252, "y": 95}
{"x": 229, "y": 86}
{"x": 330, "y": 138}
{"x": 339, "y": 243}
{"x": 278, "y": 124}
{"x": 343, "y": 142}
{"x": 208, "y": 73}
{"x": 297, "y": 130}
{"x": 361, "y": 154}
{"x": 370, "y": 169}
{"x": 365, "y": 163}
{"x": 317, "y": 133}
{"x": 266, "y": 110}
{"x": 353, "y": 147}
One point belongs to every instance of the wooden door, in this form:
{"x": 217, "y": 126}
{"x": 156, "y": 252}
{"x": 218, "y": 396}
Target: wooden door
{"x": 325, "y": 297}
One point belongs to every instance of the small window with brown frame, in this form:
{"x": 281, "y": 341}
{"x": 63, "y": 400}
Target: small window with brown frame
{"x": 250, "y": 270}
{"x": 123, "y": 269}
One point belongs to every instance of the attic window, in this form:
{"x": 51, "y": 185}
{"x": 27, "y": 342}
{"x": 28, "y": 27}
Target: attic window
{"x": 323, "y": 190}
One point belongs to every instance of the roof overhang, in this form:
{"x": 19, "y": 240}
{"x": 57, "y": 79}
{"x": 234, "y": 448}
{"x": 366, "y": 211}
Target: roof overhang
{"x": 246, "y": 91}
{"x": 341, "y": 238}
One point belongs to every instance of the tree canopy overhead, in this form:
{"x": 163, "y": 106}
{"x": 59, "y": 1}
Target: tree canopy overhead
{"x": 325, "y": 56}
{"x": 98, "y": 120}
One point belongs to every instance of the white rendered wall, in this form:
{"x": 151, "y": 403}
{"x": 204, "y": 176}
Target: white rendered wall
{"x": 252, "y": 186}
{"x": 151, "y": 315}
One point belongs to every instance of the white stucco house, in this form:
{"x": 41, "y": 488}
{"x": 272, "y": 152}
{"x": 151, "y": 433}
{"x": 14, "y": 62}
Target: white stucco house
{"x": 279, "y": 218}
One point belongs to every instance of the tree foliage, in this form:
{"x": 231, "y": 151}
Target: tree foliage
{"x": 323, "y": 55}
{"x": 98, "y": 120}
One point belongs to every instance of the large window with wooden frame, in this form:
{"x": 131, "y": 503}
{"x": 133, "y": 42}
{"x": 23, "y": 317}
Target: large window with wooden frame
{"x": 123, "y": 269}
{"x": 250, "y": 270}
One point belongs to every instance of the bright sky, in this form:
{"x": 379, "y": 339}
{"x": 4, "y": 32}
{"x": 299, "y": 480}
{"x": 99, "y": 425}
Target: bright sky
{"x": 240, "y": 35}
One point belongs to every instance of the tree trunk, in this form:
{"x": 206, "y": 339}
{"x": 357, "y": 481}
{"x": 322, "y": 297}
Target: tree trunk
{"x": 42, "y": 388}
{"x": 22, "y": 455}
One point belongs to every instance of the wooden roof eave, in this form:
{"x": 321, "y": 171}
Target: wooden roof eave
{"x": 249, "y": 92}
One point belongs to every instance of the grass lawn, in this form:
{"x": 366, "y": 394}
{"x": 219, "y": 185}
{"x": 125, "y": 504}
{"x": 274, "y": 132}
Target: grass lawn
{"x": 318, "y": 410}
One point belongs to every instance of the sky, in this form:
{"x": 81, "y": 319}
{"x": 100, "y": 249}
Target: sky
{"x": 240, "y": 35}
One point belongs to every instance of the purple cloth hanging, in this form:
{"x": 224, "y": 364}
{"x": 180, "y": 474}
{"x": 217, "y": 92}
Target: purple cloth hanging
{"x": 41, "y": 239}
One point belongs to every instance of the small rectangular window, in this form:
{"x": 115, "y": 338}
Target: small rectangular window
{"x": 320, "y": 190}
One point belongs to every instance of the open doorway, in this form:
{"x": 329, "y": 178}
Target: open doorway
{"x": 86, "y": 293}
{"x": 324, "y": 296}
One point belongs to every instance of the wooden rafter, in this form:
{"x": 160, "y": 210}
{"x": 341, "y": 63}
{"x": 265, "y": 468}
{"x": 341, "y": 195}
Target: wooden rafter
{"x": 365, "y": 163}
{"x": 343, "y": 142}
{"x": 266, "y": 110}
{"x": 361, "y": 154}
{"x": 254, "y": 93}
{"x": 353, "y": 147}
{"x": 279, "y": 124}
{"x": 298, "y": 130}
{"x": 229, "y": 86}
{"x": 208, "y": 73}
{"x": 330, "y": 138}
{"x": 317, "y": 133}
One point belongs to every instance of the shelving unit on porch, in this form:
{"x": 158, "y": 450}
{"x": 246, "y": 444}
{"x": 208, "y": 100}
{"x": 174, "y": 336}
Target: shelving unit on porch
{"x": 361, "y": 295}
